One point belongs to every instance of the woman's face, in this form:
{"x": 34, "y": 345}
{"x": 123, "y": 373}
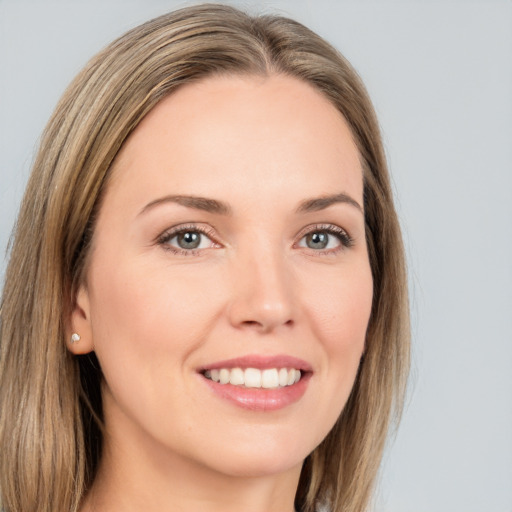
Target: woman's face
{"x": 230, "y": 246}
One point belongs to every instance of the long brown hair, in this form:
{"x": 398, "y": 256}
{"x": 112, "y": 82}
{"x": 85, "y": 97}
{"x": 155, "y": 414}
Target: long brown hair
{"x": 50, "y": 416}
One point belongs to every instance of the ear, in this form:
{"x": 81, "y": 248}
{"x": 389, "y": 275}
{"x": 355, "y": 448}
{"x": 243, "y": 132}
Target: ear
{"x": 80, "y": 323}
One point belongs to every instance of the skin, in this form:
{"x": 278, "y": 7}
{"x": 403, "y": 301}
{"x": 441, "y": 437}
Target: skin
{"x": 154, "y": 315}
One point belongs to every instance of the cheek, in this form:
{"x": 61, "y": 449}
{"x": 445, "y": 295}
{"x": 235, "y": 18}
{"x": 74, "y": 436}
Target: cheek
{"x": 341, "y": 309}
{"x": 339, "y": 316}
{"x": 146, "y": 308}
{"x": 146, "y": 320}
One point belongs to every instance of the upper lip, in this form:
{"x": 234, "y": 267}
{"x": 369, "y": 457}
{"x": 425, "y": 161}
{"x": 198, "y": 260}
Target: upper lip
{"x": 260, "y": 362}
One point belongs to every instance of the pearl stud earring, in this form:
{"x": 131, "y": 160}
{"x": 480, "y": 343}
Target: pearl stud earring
{"x": 75, "y": 338}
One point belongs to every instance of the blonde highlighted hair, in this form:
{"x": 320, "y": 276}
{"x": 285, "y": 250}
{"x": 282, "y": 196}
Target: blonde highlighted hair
{"x": 50, "y": 401}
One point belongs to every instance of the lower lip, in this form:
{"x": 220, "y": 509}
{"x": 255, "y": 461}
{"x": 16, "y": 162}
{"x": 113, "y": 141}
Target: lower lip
{"x": 260, "y": 399}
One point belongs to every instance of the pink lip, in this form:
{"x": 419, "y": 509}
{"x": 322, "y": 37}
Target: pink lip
{"x": 260, "y": 362}
{"x": 259, "y": 399}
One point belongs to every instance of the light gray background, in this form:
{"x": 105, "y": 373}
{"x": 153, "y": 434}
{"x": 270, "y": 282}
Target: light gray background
{"x": 440, "y": 75}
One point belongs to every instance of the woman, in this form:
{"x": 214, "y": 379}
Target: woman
{"x": 205, "y": 305}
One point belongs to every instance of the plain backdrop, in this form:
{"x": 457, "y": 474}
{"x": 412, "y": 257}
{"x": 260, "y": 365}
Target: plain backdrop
{"x": 440, "y": 75}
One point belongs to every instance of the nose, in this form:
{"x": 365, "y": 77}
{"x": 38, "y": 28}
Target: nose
{"x": 263, "y": 297}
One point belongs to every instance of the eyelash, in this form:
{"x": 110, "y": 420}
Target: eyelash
{"x": 346, "y": 241}
{"x": 167, "y": 236}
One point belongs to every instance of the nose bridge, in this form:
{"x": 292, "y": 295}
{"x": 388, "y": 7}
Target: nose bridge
{"x": 263, "y": 295}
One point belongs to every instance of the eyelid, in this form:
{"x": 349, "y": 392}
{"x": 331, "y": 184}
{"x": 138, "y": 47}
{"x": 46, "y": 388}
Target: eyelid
{"x": 172, "y": 232}
{"x": 346, "y": 241}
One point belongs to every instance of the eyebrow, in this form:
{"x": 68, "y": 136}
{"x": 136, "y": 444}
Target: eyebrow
{"x": 219, "y": 207}
{"x": 321, "y": 203}
{"x": 198, "y": 203}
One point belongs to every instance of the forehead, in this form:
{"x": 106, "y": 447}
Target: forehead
{"x": 276, "y": 129}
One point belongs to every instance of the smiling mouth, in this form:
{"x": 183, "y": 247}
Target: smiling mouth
{"x": 270, "y": 378}
{"x": 259, "y": 383}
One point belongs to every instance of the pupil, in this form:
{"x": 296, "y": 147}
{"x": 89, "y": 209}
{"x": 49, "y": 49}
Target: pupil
{"x": 189, "y": 240}
{"x": 317, "y": 240}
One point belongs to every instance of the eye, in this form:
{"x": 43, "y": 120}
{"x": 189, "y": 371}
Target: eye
{"x": 326, "y": 238}
{"x": 187, "y": 240}
{"x": 321, "y": 240}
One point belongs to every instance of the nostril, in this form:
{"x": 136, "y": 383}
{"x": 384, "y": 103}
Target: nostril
{"x": 264, "y": 326}
{"x": 252, "y": 324}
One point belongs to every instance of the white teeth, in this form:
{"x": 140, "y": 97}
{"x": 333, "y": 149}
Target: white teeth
{"x": 236, "y": 377}
{"x": 224, "y": 376}
{"x": 271, "y": 378}
{"x": 252, "y": 378}
{"x": 283, "y": 377}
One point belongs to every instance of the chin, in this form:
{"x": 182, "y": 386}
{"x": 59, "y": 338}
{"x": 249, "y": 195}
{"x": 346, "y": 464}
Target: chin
{"x": 261, "y": 457}
{"x": 261, "y": 467}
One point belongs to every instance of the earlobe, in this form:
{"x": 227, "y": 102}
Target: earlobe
{"x": 79, "y": 336}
